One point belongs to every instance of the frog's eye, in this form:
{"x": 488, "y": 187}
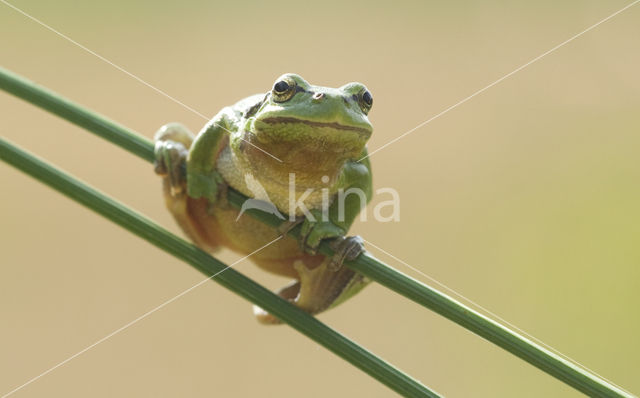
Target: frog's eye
{"x": 365, "y": 99}
{"x": 284, "y": 89}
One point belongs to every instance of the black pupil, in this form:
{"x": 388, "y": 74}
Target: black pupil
{"x": 368, "y": 99}
{"x": 281, "y": 86}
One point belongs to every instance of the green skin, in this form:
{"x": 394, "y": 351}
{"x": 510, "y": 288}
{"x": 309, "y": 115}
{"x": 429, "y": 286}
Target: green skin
{"x": 316, "y": 133}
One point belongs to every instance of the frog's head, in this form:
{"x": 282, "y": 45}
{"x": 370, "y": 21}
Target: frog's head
{"x": 297, "y": 114}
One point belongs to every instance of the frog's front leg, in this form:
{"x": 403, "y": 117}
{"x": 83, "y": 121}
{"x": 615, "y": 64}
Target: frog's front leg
{"x": 344, "y": 247}
{"x": 172, "y": 144}
{"x": 203, "y": 180}
{"x": 355, "y": 193}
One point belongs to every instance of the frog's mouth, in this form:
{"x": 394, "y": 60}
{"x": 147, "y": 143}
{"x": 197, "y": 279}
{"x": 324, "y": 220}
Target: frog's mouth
{"x": 332, "y": 125}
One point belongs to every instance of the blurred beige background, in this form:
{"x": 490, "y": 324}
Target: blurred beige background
{"x": 525, "y": 199}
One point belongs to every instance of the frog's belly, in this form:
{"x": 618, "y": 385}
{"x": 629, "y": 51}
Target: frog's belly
{"x": 245, "y": 236}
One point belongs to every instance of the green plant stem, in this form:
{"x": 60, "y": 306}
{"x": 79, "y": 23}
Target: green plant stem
{"x": 203, "y": 262}
{"x": 428, "y": 297}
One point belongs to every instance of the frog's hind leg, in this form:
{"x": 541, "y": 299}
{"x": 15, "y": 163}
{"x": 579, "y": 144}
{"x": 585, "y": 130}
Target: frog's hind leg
{"x": 318, "y": 289}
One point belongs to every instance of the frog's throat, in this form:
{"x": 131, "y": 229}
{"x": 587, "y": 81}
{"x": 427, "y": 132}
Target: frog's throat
{"x": 333, "y": 125}
{"x": 308, "y": 161}
{"x": 234, "y": 170}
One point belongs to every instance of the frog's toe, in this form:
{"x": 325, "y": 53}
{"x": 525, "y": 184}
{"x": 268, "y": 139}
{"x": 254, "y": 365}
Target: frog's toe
{"x": 264, "y": 317}
{"x": 345, "y": 248}
{"x": 313, "y": 232}
{"x": 172, "y": 143}
{"x": 307, "y": 227}
{"x": 289, "y": 292}
{"x": 174, "y": 132}
{"x": 309, "y": 238}
{"x": 170, "y": 160}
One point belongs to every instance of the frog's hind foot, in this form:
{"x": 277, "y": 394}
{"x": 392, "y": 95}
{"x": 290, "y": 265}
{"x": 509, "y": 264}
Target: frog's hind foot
{"x": 317, "y": 290}
{"x": 172, "y": 144}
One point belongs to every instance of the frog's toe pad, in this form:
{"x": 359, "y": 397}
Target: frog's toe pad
{"x": 264, "y": 317}
{"x": 348, "y": 248}
{"x": 289, "y": 292}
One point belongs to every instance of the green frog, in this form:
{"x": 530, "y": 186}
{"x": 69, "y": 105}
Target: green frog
{"x": 301, "y": 150}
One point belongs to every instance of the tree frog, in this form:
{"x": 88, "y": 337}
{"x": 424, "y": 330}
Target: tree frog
{"x": 310, "y": 135}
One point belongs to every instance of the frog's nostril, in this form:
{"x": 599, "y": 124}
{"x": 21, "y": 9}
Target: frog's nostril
{"x": 318, "y": 96}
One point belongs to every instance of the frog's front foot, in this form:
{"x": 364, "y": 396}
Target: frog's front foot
{"x": 170, "y": 163}
{"x": 316, "y": 229}
{"x": 345, "y": 248}
{"x": 171, "y": 149}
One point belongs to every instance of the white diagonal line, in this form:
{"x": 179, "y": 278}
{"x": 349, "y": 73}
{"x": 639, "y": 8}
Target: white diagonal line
{"x": 141, "y": 317}
{"x": 499, "y": 80}
{"x": 468, "y": 300}
{"x": 128, "y": 73}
